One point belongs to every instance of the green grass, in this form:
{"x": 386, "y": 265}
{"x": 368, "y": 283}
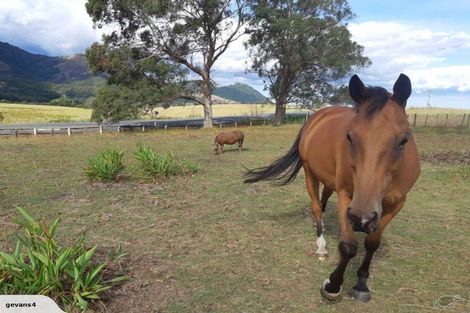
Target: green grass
{"x": 209, "y": 243}
{"x": 105, "y": 166}
{"x": 39, "y": 265}
{"x": 155, "y": 165}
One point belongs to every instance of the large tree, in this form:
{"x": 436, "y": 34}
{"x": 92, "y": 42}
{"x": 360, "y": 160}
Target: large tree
{"x": 302, "y": 48}
{"x": 136, "y": 81}
{"x": 194, "y": 33}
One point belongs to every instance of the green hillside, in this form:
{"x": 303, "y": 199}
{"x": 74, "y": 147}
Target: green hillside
{"x": 240, "y": 93}
{"x": 27, "y": 77}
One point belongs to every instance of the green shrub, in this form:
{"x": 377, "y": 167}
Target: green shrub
{"x": 39, "y": 266}
{"x": 106, "y": 166}
{"x": 156, "y": 165}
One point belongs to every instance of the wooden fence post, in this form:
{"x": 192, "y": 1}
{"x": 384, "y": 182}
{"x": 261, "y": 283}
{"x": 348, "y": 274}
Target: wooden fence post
{"x": 119, "y": 129}
{"x": 69, "y": 131}
{"x": 16, "y": 132}
{"x": 35, "y": 131}
{"x": 414, "y": 120}
{"x": 447, "y": 118}
{"x": 52, "y": 131}
{"x": 186, "y": 127}
{"x": 437, "y": 117}
{"x": 426, "y": 120}
{"x": 166, "y": 126}
{"x": 463, "y": 120}
{"x": 235, "y": 124}
{"x": 143, "y": 128}
{"x": 251, "y": 123}
{"x": 468, "y": 120}
{"x": 220, "y": 125}
{"x": 101, "y": 129}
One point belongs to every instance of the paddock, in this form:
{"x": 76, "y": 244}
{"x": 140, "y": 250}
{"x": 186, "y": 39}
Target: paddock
{"x": 209, "y": 243}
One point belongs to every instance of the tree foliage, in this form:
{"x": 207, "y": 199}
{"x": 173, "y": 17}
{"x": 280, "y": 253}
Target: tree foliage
{"x": 193, "y": 33}
{"x": 302, "y": 48}
{"x": 137, "y": 81}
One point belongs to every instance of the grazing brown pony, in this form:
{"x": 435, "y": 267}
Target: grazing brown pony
{"x": 368, "y": 156}
{"x": 228, "y": 138}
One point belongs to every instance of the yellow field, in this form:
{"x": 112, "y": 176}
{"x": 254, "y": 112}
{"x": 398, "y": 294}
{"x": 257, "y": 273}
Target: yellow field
{"x": 27, "y": 113}
{"x": 437, "y": 111}
{"x": 219, "y": 110}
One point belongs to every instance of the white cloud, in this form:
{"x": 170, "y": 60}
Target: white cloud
{"x": 59, "y": 27}
{"x": 235, "y": 58}
{"x": 446, "y": 77}
{"x": 425, "y": 55}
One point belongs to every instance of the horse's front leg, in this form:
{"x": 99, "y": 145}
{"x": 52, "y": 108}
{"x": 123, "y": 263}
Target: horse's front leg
{"x": 331, "y": 289}
{"x": 360, "y": 291}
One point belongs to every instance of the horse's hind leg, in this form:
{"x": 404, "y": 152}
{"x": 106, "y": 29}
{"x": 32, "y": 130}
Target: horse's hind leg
{"x": 240, "y": 144}
{"x": 313, "y": 191}
{"x": 325, "y": 195}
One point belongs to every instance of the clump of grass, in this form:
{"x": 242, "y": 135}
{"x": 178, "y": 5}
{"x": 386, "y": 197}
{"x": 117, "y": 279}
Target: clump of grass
{"x": 155, "y": 165}
{"x": 460, "y": 172}
{"x": 106, "y": 166}
{"x": 39, "y": 266}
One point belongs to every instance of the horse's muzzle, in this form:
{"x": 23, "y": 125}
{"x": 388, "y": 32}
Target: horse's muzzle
{"x": 367, "y": 223}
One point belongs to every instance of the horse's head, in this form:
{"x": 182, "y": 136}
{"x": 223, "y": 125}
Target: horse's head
{"x": 377, "y": 139}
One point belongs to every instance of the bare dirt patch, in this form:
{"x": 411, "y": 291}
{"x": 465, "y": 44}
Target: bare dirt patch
{"x": 448, "y": 157}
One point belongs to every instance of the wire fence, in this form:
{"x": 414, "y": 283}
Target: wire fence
{"x": 459, "y": 121}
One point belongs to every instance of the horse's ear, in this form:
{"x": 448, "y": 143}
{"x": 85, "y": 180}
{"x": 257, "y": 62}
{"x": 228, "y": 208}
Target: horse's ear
{"x": 356, "y": 89}
{"x": 402, "y": 90}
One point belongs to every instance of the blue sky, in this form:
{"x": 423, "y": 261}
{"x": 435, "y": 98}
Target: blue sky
{"x": 429, "y": 40}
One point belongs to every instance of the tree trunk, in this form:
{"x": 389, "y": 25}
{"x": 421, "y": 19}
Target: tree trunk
{"x": 207, "y": 94}
{"x": 280, "y": 112}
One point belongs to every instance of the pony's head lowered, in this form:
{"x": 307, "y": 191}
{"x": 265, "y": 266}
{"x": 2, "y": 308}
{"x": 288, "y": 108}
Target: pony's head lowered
{"x": 377, "y": 140}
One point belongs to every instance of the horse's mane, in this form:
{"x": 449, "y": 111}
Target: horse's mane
{"x": 374, "y": 100}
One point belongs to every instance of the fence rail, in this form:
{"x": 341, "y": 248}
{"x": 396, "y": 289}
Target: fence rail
{"x": 459, "y": 121}
{"x": 138, "y": 125}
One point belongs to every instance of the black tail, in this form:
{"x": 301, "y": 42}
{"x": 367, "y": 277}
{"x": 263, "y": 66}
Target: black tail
{"x": 282, "y": 171}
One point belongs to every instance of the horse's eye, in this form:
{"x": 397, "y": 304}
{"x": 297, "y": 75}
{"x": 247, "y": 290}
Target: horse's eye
{"x": 349, "y": 138}
{"x": 403, "y": 141}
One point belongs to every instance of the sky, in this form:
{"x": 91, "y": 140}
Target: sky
{"x": 429, "y": 40}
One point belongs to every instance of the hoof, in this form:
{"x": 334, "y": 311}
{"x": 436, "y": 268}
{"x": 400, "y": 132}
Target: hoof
{"x": 322, "y": 256}
{"x": 361, "y": 296}
{"x": 330, "y": 297}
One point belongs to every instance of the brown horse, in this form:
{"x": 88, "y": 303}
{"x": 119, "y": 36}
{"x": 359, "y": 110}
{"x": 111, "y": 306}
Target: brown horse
{"x": 228, "y": 138}
{"x": 368, "y": 156}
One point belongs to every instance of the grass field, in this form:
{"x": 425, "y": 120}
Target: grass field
{"x": 189, "y": 111}
{"x": 27, "y": 113}
{"x": 24, "y": 113}
{"x": 209, "y": 243}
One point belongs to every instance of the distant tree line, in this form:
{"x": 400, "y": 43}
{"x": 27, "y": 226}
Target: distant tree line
{"x": 164, "y": 50}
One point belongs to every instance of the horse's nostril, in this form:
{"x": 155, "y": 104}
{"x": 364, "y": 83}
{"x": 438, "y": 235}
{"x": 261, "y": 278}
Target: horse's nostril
{"x": 371, "y": 224}
{"x": 352, "y": 218}
{"x": 375, "y": 219}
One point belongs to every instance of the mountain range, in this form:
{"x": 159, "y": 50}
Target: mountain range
{"x": 27, "y": 77}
